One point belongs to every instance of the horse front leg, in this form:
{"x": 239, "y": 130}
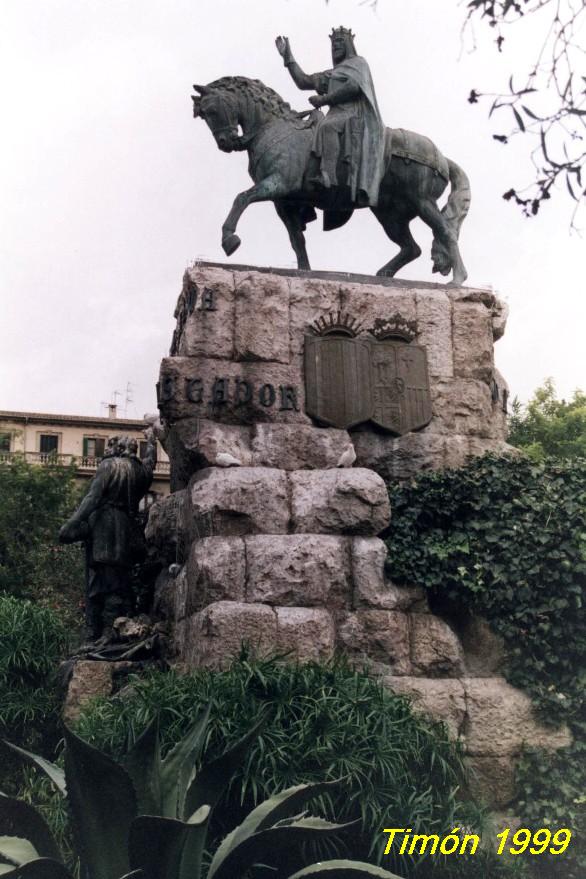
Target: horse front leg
{"x": 267, "y": 190}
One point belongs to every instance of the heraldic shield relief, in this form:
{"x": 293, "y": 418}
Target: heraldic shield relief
{"x": 350, "y": 380}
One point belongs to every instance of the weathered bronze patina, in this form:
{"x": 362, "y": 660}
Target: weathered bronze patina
{"x": 350, "y": 379}
{"x": 337, "y": 162}
{"x": 107, "y": 522}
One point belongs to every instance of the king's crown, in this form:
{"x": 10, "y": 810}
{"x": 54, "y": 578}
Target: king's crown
{"x": 341, "y": 32}
{"x": 394, "y": 327}
{"x": 336, "y": 324}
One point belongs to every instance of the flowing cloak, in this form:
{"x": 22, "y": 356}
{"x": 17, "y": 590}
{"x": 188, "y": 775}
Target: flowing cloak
{"x": 360, "y": 125}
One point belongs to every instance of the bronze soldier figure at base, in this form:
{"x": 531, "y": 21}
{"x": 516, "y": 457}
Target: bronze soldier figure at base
{"x": 107, "y": 522}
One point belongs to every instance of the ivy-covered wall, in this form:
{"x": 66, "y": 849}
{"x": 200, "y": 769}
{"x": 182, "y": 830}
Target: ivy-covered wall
{"x": 505, "y": 538}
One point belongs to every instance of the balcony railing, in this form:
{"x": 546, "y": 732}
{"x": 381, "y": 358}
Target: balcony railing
{"x": 83, "y": 463}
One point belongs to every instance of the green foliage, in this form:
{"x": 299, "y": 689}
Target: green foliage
{"x": 325, "y": 722}
{"x": 34, "y": 502}
{"x": 547, "y": 426}
{"x": 113, "y": 835}
{"x": 506, "y": 538}
{"x": 33, "y": 640}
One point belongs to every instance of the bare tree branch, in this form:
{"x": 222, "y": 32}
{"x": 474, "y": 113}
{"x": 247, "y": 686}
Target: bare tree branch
{"x": 549, "y": 107}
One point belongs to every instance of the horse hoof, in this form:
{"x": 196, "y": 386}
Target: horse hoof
{"x": 384, "y": 274}
{"x": 230, "y": 244}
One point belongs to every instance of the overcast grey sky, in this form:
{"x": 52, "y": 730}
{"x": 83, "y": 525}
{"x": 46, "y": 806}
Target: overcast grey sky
{"x": 109, "y": 188}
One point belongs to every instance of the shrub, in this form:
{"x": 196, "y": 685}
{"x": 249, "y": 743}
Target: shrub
{"x": 325, "y": 722}
{"x": 506, "y": 538}
{"x": 34, "y": 502}
{"x": 33, "y": 640}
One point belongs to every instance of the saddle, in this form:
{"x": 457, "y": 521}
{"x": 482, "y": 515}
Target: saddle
{"x": 416, "y": 148}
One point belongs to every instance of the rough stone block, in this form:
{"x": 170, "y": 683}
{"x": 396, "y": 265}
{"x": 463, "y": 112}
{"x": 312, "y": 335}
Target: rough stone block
{"x": 434, "y": 321}
{"x": 483, "y": 650}
{"x": 464, "y": 407}
{"x": 180, "y": 588}
{"x": 353, "y": 501}
{"x": 372, "y": 588}
{"x": 307, "y": 633}
{"x": 215, "y": 571}
{"x": 196, "y": 443}
{"x": 368, "y": 303}
{"x": 435, "y": 648}
{"x": 368, "y": 556}
{"x": 379, "y": 635}
{"x": 501, "y": 719}
{"x": 497, "y": 309}
{"x": 443, "y": 700}
{"x": 215, "y": 634}
{"x": 164, "y": 529}
{"x": 492, "y": 779}
{"x": 88, "y": 680}
{"x": 205, "y": 314}
{"x": 238, "y": 501}
{"x": 398, "y": 458}
{"x": 300, "y": 447}
{"x": 309, "y": 298}
{"x": 310, "y": 570}
{"x": 262, "y": 317}
{"x": 230, "y": 392}
{"x": 473, "y": 341}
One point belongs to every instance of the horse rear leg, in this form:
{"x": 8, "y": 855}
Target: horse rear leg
{"x": 289, "y": 214}
{"x": 397, "y": 228}
{"x": 431, "y": 214}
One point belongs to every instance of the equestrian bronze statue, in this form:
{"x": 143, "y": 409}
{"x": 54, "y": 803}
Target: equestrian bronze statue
{"x": 338, "y": 162}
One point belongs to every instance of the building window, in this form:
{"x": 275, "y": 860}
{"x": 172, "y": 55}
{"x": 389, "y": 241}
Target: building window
{"x": 94, "y": 446}
{"x": 5, "y": 439}
{"x": 49, "y": 443}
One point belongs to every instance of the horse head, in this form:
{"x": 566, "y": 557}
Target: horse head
{"x": 220, "y": 113}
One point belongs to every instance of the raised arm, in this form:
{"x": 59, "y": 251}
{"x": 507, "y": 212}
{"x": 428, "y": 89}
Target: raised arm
{"x": 316, "y": 82}
{"x": 149, "y": 461}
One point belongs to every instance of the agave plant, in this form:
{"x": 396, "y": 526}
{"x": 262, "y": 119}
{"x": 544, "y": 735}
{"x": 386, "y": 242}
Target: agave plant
{"x": 147, "y": 817}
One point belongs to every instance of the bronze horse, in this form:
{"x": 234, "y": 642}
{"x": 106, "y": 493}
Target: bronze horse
{"x": 245, "y": 114}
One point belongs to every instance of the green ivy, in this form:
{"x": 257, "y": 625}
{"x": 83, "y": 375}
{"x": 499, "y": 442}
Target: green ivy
{"x": 505, "y": 537}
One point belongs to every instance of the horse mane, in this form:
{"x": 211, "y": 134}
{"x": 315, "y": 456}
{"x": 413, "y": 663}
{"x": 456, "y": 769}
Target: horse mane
{"x": 258, "y": 92}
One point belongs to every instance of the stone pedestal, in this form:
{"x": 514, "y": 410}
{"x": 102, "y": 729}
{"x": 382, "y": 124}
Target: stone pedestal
{"x": 275, "y": 519}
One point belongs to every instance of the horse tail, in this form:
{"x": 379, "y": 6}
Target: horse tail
{"x": 454, "y": 212}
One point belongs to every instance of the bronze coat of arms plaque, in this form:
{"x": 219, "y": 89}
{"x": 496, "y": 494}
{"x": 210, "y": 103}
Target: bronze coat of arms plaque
{"x": 400, "y": 386}
{"x": 337, "y": 380}
{"x": 351, "y": 380}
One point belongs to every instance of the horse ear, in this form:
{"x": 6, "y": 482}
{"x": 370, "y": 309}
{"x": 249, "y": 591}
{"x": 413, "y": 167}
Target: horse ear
{"x": 202, "y": 89}
{"x": 196, "y": 106}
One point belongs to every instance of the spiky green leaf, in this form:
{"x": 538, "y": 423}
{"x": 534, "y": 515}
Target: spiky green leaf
{"x": 178, "y": 768}
{"x": 54, "y": 772}
{"x": 103, "y": 806}
{"x": 212, "y": 779}
{"x": 17, "y": 850}
{"x": 167, "y": 847}
{"x": 20, "y": 819}
{"x": 43, "y": 868}
{"x": 143, "y": 764}
{"x": 343, "y": 870}
{"x": 243, "y": 846}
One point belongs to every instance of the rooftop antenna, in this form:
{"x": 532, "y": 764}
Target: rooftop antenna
{"x": 128, "y": 397}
